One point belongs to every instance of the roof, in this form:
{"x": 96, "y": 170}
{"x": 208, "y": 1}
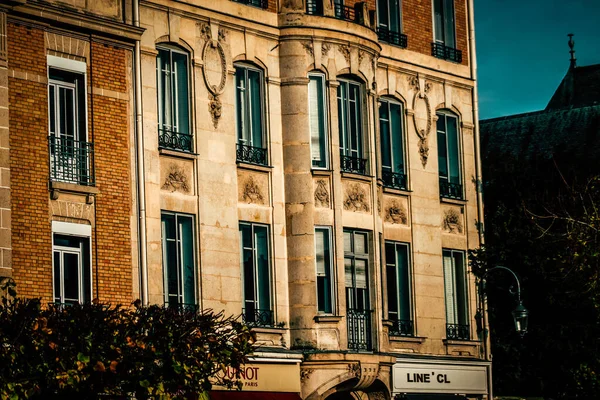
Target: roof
{"x": 572, "y": 132}
{"x": 579, "y": 88}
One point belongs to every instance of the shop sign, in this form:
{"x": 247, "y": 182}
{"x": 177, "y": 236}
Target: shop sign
{"x": 463, "y": 378}
{"x": 265, "y": 377}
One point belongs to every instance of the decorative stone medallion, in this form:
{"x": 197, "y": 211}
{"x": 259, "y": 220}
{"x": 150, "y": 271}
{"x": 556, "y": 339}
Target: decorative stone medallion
{"x": 176, "y": 180}
{"x": 321, "y": 193}
{"x": 422, "y": 115}
{"x": 215, "y": 76}
{"x": 356, "y": 198}
{"x": 395, "y": 213}
{"x": 452, "y": 221}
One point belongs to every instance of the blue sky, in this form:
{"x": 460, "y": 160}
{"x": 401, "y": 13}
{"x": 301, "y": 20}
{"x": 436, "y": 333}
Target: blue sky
{"x": 522, "y": 51}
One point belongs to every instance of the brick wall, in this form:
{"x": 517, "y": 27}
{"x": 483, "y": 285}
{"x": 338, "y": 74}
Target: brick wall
{"x": 28, "y": 105}
{"x": 108, "y": 128}
{"x": 113, "y": 203}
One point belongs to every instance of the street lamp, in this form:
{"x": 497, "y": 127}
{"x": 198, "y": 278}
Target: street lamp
{"x": 520, "y": 314}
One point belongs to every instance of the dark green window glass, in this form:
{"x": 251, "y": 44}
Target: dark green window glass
{"x": 398, "y": 281}
{"x": 249, "y": 106}
{"x": 455, "y": 287}
{"x": 256, "y": 274}
{"x": 350, "y": 119}
{"x": 71, "y": 269}
{"x": 443, "y": 22}
{"x": 324, "y": 273}
{"x": 173, "y": 91}
{"x": 391, "y": 131}
{"x": 318, "y": 127}
{"x": 179, "y": 259}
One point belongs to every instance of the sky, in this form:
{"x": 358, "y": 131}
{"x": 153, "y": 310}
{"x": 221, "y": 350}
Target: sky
{"x": 522, "y": 50}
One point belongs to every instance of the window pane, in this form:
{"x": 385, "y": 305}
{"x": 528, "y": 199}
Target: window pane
{"x": 449, "y": 289}
{"x": 384, "y": 127}
{"x": 442, "y": 150}
{"x": 449, "y": 23}
{"x": 165, "y": 99}
{"x": 461, "y": 288}
{"x": 240, "y": 82}
{"x": 320, "y": 251}
{"x": 403, "y": 282}
{"x": 323, "y": 257}
{"x": 168, "y": 222}
{"x": 438, "y": 20}
{"x": 172, "y": 272}
{"x": 392, "y": 291}
{"x": 348, "y": 242}
{"x": 361, "y": 273}
{"x": 360, "y": 243}
{"x": 71, "y": 277}
{"x": 57, "y": 281}
{"x": 453, "y": 154}
{"x": 86, "y": 270}
{"x": 348, "y": 272}
{"x": 187, "y": 259}
{"x": 394, "y": 15}
{"x": 317, "y": 121}
{"x": 397, "y": 137}
{"x": 342, "y": 93}
{"x": 354, "y": 123}
{"x": 255, "y": 103}
{"x": 181, "y": 95}
{"x": 382, "y": 11}
{"x": 52, "y": 106}
{"x": 262, "y": 264}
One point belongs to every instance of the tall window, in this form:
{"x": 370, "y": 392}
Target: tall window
{"x": 356, "y": 266}
{"x": 444, "y": 44}
{"x": 399, "y": 288}
{"x": 173, "y": 99}
{"x": 392, "y": 146}
{"x": 250, "y": 115}
{"x": 256, "y": 277}
{"x": 72, "y": 282}
{"x": 318, "y": 121}
{"x": 178, "y": 260}
{"x": 349, "y": 97}
{"x": 324, "y": 263}
{"x": 71, "y": 156}
{"x": 455, "y": 289}
{"x": 449, "y": 156}
{"x": 389, "y": 18}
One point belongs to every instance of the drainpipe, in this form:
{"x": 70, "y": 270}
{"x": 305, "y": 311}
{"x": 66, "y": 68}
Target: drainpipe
{"x": 141, "y": 177}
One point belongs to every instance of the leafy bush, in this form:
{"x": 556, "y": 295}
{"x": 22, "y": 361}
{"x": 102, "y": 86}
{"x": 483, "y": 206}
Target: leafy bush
{"x": 84, "y": 351}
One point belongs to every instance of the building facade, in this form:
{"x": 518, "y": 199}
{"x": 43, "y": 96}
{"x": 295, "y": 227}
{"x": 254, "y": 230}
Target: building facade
{"x": 309, "y": 164}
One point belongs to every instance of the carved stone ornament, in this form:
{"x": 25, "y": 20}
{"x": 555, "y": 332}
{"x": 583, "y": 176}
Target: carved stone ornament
{"x": 222, "y": 35}
{"x": 325, "y": 47}
{"x": 361, "y": 56}
{"x": 356, "y": 199}
{"x": 252, "y": 192}
{"x": 305, "y": 374}
{"x": 176, "y": 180}
{"x": 452, "y": 221}
{"x": 354, "y": 369}
{"x": 345, "y": 51}
{"x": 214, "y": 107}
{"x": 322, "y": 194}
{"x": 215, "y": 67}
{"x": 396, "y": 213}
{"x": 422, "y": 112}
{"x": 205, "y": 31}
{"x": 308, "y": 46}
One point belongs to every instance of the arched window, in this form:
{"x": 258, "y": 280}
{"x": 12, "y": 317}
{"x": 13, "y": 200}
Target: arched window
{"x": 449, "y": 156}
{"x": 249, "y": 84}
{"x": 350, "y": 102}
{"x": 172, "y": 83}
{"x": 391, "y": 130}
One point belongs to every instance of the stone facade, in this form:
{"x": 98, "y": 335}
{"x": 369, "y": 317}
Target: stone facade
{"x": 199, "y": 171}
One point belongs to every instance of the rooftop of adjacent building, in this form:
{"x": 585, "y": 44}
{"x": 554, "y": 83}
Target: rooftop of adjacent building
{"x": 569, "y": 125}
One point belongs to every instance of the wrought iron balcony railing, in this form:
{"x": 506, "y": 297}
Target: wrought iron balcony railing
{"x": 450, "y": 190}
{"x": 174, "y": 140}
{"x": 71, "y": 161}
{"x": 457, "y": 332}
{"x": 353, "y": 164}
{"x": 345, "y": 12}
{"x": 251, "y": 154}
{"x": 314, "y": 7}
{"x": 255, "y": 3}
{"x": 444, "y": 52}
{"x": 258, "y": 318}
{"x": 359, "y": 329}
{"x": 394, "y": 180}
{"x": 391, "y": 37}
{"x": 402, "y": 327}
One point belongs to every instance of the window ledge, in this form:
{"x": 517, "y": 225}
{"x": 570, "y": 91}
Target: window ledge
{"x": 407, "y": 339}
{"x": 453, "y": 201}
{"x": 352, "y": 175}
{"x": 455, "y": 342}
{"x": 328, "y": 318}
{"x": 321, "y": 172}
{"x": 263, "y": 329}
{"x": 73, "y": 188}
{"x": 177, "y": 153}
{"x": 254, "y": 167}
{"x": 401, "y": 192}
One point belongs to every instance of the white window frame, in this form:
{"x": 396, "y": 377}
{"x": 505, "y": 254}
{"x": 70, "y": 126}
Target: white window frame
{"x": 78, "y": 231}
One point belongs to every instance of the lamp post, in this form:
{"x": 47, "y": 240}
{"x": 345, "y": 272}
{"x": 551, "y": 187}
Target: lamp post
{"x": 520, "y": 313}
